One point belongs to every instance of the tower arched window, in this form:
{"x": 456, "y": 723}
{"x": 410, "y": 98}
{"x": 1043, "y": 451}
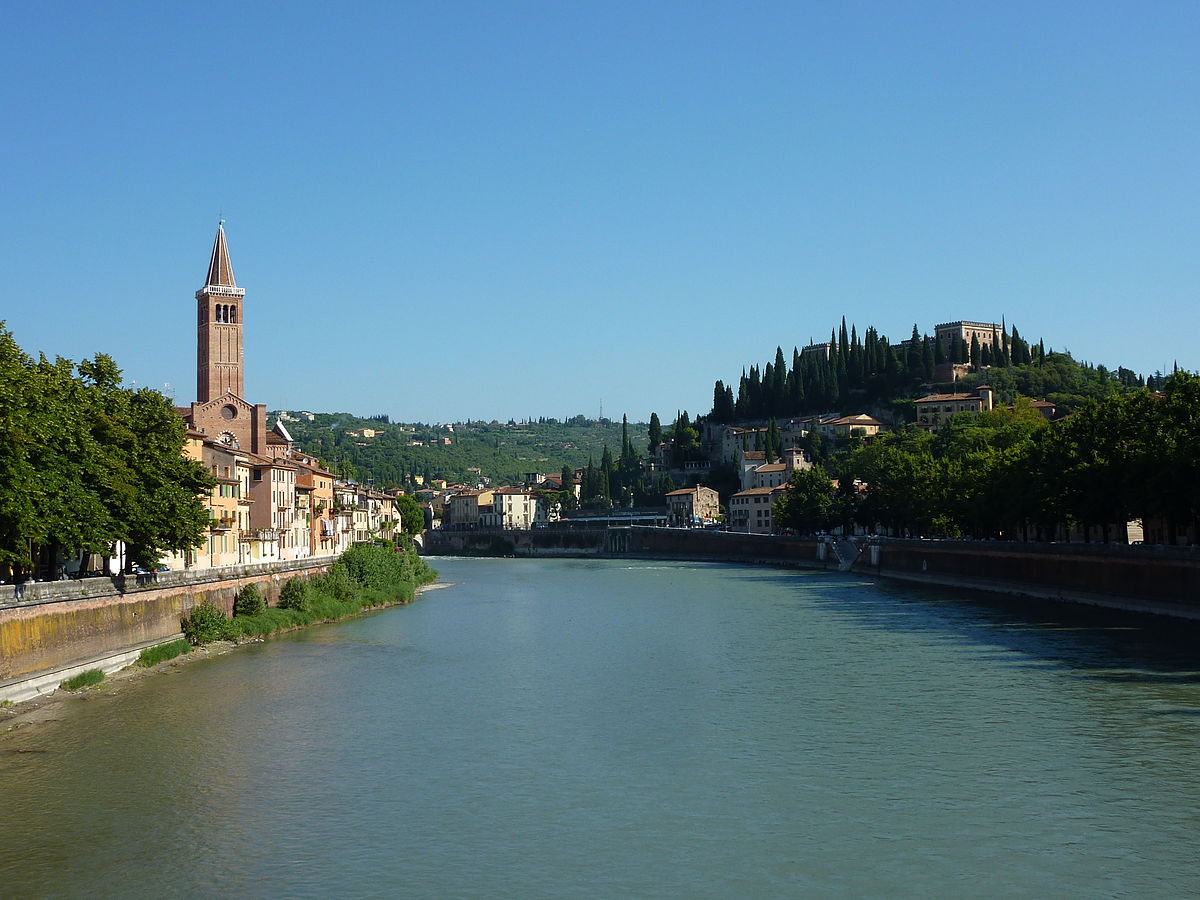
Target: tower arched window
{"x": 233, "y": 314}
{"x": 217, "y": 310}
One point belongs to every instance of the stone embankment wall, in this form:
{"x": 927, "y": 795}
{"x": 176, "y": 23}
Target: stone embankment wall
{"x": 729, "y": 546}
{"x": 548, "y": 542}
{"x": 62, "y": 625}
{"x": 1159, "y": 580}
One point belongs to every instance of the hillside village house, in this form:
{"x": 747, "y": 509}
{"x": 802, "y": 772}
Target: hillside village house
{"x": 757, "y": 472}
{"x": 860, "y": 425}
{"x": 935, "y": 410}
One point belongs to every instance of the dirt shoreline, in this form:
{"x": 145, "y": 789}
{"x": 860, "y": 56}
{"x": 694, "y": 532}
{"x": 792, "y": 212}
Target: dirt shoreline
{"x": 24, "y": 718}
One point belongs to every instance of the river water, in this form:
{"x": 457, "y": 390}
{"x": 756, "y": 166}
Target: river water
{"x": 633, "y": 729}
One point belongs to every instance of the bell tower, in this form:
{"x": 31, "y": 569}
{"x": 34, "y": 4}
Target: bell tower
{"x": 219, "y": 353}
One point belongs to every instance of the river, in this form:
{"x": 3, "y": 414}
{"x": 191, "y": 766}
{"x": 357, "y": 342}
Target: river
{"x": 548, "y": 729}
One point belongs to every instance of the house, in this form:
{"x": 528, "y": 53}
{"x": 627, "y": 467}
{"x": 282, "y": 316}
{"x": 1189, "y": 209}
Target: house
{"x": 935, "y": 410}
{"x": 690, "y": 505}
{"x": 860, "y": 425}
{"x": 314, "y": 490}
{"x": 733, "y": 439}
{"x": 750, "y": 510}
{"x": 755, "y": 471}
{"x": 514, "y": 507}
{"x": 462, "y": 510}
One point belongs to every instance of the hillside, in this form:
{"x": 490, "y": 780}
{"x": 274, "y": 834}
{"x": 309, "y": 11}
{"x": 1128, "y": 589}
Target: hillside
{"x": 399, "y": 454}
{"x": 853, "y": 374}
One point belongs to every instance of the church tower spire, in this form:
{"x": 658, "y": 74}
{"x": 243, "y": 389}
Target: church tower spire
{"x": 219, "y": 353}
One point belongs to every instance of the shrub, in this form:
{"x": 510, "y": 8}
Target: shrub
{"x": 338, "y": 583}
{"x": 249, "y": 601}
{"x": 295, "y": 596}
{"x": 83, "y": 679}
{"x": 154, "y": 655}
{"x": 206, "y": 623}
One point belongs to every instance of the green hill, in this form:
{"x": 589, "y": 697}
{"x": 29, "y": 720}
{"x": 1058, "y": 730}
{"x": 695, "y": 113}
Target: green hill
{"x": 399, "y": 454}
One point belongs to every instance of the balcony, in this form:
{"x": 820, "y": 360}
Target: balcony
{"x": 261, "y": 535}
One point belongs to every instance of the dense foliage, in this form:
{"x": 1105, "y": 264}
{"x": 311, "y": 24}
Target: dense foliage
{"x": 85, "y": 462}
{"x": 249, "y": 601}
{"x": 365, "y": 576}
{"x": 400, "y": 455}
{"x": 1009, "y": 473}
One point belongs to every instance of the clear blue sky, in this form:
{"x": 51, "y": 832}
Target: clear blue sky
{"x": 455, "y": 210}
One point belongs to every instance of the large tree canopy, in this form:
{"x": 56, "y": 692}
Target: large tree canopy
{"x": 85, "y": 462}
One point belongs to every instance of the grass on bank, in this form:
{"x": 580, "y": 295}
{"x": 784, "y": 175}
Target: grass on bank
{"x": 152, "y": 656}
{"x": 365, "y": 576}
{"x": 83, "y": 679}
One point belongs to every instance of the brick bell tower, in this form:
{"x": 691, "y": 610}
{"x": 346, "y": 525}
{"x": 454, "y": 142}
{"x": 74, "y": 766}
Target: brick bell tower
{"x": 221, "y": 410}
{"x": 219, "y": 353}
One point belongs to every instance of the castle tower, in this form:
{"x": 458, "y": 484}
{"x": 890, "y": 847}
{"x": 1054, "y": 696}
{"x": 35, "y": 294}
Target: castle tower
{"x": 219, "y": 353}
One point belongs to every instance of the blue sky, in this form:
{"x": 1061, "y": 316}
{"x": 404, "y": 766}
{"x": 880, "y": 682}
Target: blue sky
{"x": 489, "y": 210}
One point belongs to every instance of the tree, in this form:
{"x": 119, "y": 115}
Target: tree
{"x": 774, "y": 442}
{"x": 655, "y": 433}
{"x": 85, "y": 462}
{"x": 412, "y": 515}
{"x": 808, "y": 504}
{"x": 723, "y": 407}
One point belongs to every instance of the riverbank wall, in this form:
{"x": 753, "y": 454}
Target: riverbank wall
{"x": 1145, "y": 579}
{"x": 59, "y": 628}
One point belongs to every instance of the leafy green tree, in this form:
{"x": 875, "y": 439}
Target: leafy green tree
{"x": 85, "y": 462}
{"x": 412, "y": 515}
{"x": 809, "y": 504}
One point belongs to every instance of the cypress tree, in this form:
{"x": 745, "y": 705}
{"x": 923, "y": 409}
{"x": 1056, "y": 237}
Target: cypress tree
{"x": 913, "y": 356}
{"x": 779, "y": 387}
{"x": 773, "y": 442}
{"x": 958, "y": 349}
{"x": 608, "y": 486}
